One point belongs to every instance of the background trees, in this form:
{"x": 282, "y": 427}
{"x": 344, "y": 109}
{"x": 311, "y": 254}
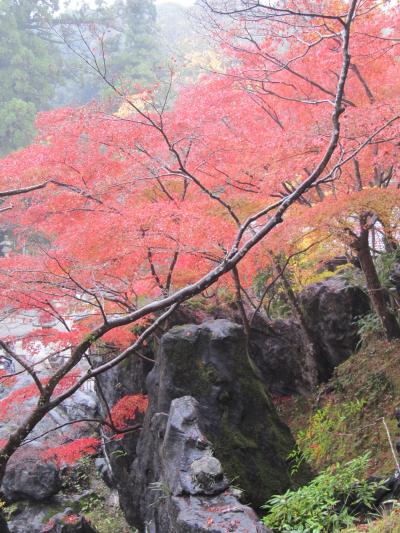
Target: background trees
{"x": 29, "y": 69}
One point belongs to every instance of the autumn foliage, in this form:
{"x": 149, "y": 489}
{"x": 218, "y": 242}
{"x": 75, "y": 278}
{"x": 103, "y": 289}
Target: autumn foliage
{"x": 144, "y": 195}
{"x": 70, "y": 453}
{"x": 125, "y": 410}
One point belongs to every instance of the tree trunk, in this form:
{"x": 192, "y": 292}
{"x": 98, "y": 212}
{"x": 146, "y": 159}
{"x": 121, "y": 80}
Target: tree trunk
{"x": 377, "y": 293}
{"x": 309, "y": 345}
{"x": 3, "y": 524}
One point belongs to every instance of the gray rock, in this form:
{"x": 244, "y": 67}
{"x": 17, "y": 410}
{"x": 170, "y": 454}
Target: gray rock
{"x": 207, "y": 406}
{"x": 331, "y": 308}
{"x": 29, "y": 517}
{"x": 219, "y": 514}
{"x": 68, "y": 522}
{"x": 30, "y": 478}
{"x": 207, "y": 473}
{"x": 127, "y": 378}
{"x": 187, "y": 462}
{"x": 277, "y": 349}
{"x": 192, "y": 496}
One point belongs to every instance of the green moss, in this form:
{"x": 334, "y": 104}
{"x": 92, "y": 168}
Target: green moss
{"x": 248, "y": 437}
{"x": 53, "y": 510}
{"x": 342, "y": 432}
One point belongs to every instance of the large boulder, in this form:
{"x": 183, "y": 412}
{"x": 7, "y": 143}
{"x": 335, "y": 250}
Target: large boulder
{"x": 277, "y": 348}
{"x": 30, "y": 478}
{"x": 331, "y": 308}
{"x": 235, "y": 417}
{"x": 191, "y": 494}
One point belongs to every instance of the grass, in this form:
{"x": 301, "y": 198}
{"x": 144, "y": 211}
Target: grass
{"x": 347, "y": 419}
{"x": 390, "y": 523}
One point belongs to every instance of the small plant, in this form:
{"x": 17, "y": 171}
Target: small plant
{"x": 368, "y": 326}
{"x": 319, "y": 442}
{"x": 326, "y": 504}
{"x": 90, "y": 502}
{"x": 78, "y": 477}
{"x": 163, "y": 490}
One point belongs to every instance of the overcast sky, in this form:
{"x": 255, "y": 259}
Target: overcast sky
{"x": 185, "y": 3}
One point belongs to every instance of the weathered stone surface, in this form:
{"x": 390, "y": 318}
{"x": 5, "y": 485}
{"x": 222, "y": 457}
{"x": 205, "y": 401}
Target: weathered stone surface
{"x": 331, "y": 308}
{"x": 210, "y": 363}
{"x": 187, "y": 463}
{"x": 277, "y": 349}
{"x": 29, "y": 517}
{"x": 219, "y": 514}
{"x": 129, "y": 377}
{"x": 192, "y": 493}
{"x": 68, "y": 522}
{"x": 31, "y": 478}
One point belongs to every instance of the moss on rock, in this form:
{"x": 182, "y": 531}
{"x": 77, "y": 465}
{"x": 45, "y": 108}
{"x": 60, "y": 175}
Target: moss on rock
{"x": 210, "y": 362}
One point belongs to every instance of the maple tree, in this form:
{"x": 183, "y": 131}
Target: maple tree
{"x": 128, "y": 215}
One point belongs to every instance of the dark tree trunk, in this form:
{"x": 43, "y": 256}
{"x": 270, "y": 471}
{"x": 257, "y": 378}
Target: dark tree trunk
{"x": 309, "y": 344}
{"x": 3, "y": 524}
{"x": 377, "y": 293}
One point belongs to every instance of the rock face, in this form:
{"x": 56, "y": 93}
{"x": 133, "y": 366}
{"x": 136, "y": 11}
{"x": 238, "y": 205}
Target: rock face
{"x": 32, "y": 479}
{"x": 277, "y": 349}
{"x": 191, "y": 493}
{"x": 331, "y": 308}
{"x": 209, "y": 420}
{"x": 124, "y": 379}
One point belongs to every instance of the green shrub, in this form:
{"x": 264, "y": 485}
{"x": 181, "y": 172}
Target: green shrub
{"x": 325, "y": 504}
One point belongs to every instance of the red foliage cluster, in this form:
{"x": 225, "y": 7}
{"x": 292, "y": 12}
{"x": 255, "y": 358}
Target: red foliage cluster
{"x": 70, "y": 453}
{"x": 10, "y": 406}
{"x": 71, "y": 519}
{"x": 126, "y": 410}
{"x": 8, "y": 381}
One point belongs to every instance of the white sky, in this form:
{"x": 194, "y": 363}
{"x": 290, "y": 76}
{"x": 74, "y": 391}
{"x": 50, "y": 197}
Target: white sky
{"x": 185, "y": 3}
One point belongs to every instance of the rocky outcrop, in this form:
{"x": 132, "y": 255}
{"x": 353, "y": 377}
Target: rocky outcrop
{"x": 277, "y": 349}
{"x": 31, "y": 479}
{"x": 192, "y": 492}
{"x": 129, "y": 377}
{"x": 190, "y": 448}
{"x": 331, "y": 309}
